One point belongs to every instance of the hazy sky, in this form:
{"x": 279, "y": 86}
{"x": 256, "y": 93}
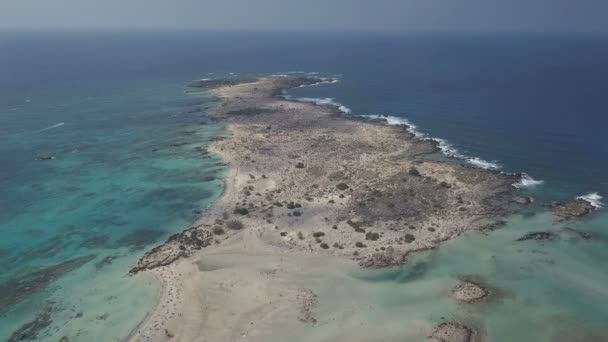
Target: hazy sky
{"x": 311, "y": 15}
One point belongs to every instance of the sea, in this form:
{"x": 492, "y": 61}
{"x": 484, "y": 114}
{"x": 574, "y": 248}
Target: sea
{"x": 103, "y": 156}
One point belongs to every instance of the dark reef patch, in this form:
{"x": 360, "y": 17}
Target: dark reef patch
{"x": 23, "y": 285}
{"x": 30, "y": 330}
{"x": 94, "y": 242}
{"x": 538, "y": 236}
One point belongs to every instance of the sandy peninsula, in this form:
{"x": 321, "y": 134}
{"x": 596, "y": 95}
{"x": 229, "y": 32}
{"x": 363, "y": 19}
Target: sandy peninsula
{"x": 310, "y": 194}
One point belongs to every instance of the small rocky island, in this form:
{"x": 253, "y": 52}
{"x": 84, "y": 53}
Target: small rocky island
{"x": 469, "y": 292}
{"x": 573, "y": 209}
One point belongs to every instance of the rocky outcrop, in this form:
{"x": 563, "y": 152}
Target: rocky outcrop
{"x": 573, "y": 209}
{"x": 180, "y": 245}
{"x": 523, "y": 200}
{"x": 454, "y": 332}
{"x": 469, "y": 292}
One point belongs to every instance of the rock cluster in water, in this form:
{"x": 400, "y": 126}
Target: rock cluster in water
{"x": 538, "y": 236}
{"x": 573, "y": 209}
{"x": 30, "y": 330}
{"x": 469, "y": 292}
{"x": 453, "y": 332}
{"x": 14, "y": 290}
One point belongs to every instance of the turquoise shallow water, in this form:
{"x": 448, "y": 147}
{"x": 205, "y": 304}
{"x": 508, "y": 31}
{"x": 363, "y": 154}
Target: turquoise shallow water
{"x": 549, "y": 291}
{"x": 127, "y": 173}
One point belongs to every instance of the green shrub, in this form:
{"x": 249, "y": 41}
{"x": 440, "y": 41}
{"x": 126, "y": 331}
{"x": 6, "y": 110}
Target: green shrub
{"x": 241, "y": 211}
{"x": 324, "y": 245}
{"x": 414, "y": 172}
{"x": 218, "y": 230}
{"x": 372, "y": 236}
{"x": 300, "y": 165}
{"x": 360, "y": 245}
{"x": 318, "y": 234}
{"x": 297, "y": 213}
{"x": 342, "y": 186}
{"x": 235, "y": 225}
{"x": 409, "y": 238}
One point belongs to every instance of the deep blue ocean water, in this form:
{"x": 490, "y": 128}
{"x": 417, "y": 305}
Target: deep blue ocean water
{"x": 113, "y": 110}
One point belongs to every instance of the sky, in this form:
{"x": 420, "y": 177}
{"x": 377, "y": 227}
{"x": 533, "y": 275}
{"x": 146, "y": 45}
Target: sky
{"x": 571, "y": 16}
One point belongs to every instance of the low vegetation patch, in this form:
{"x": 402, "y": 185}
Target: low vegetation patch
{"x": 218, "y": 230}
{"x": 241, "y": 211}
{"x": 292, "y": 205}
{"x": 342, "y": 186}
{"x": 235, "y": 225}
{"x": 372, "y": 236}
{"x": 318, "y": 234}
{"x": 356, "y": 226}
{"x": 360, "y": 244}
{"x": 409, "y": 238}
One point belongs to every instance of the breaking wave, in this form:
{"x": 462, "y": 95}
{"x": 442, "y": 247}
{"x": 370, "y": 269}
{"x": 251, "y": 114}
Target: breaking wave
{"x": 593, "y": 198}
{"x": 51, "y": 127}
{"x": 527, "y": 181}
{"x": 327, "y": 101}
{"x": 445, "y": 147}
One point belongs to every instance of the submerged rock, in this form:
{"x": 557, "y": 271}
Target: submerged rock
{"x": 581, "y": 234}
{"x": 29, "y": 331}
{"x": 469, "y": 292}
{"x": 454, "y": 332}
{"x": 573, "y": 209}
{"x": 14, "y": 290}
{"x": 538, "y": 236}
{"x": 522, "y": 200}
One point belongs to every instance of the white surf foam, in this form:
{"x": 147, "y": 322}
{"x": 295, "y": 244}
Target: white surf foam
{"x": 526, "y": 181}
{"x": 445, "y": 147}
{"x": 327, "y": 101}
{"x": 593, "y": 198}
{"x": 324, "y": 80}
{"x": 51, "y": 127}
